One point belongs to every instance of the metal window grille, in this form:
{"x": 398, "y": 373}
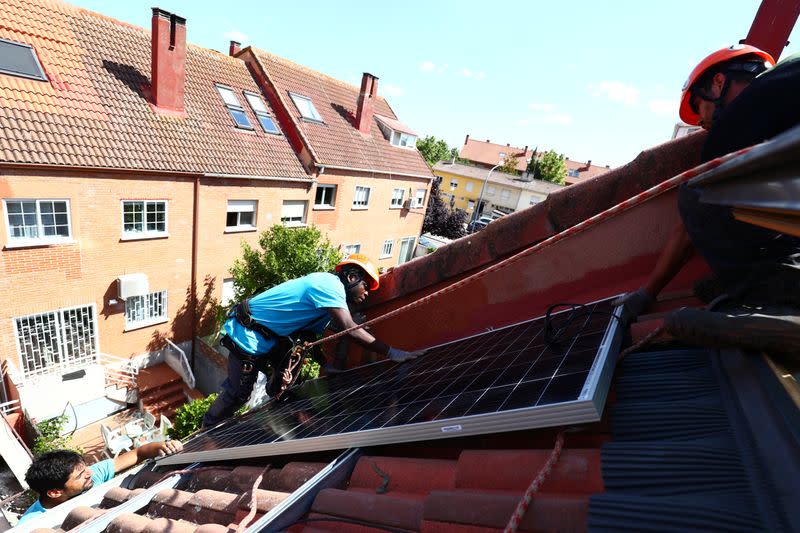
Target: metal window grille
{"x": 58, "y": 341}
{"x": 145, "y": 309}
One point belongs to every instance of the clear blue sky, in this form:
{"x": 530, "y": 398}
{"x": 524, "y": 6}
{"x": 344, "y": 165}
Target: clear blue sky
{"x": 592, "y": 80}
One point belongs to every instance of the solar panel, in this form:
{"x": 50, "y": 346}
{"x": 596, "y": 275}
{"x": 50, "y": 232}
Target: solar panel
{"x": 518, "y": 377}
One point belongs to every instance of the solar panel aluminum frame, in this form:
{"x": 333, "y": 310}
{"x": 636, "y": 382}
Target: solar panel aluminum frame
{"x": 587, "y": 408}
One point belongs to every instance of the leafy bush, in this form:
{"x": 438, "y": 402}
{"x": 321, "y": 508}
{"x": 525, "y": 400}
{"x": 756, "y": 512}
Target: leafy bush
{"x": 50, "y": 438}
{"x": 189, "y": 417}
{"x": 308, "y": 370}
{"x": 282, "y": 254}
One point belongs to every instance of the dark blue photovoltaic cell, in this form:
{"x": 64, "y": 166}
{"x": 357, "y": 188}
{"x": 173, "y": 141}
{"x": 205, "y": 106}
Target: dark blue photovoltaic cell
{"x": 501, "y": 370}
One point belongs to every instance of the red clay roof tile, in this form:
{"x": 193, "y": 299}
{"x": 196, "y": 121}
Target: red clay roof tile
{"x": 337, "y": 142}
{"x": 99, "y": 83}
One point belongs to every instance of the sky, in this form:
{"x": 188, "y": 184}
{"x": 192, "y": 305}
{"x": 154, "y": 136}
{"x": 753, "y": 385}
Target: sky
{"x": 592, "y": 80}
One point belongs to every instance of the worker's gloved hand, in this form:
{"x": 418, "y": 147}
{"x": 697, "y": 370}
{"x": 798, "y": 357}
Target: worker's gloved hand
{"x": 633, "y": 304}
{"x": 400, "y": 356}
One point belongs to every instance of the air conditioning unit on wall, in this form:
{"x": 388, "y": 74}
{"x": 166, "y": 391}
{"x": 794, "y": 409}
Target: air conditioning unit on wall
{"x": 132, "y": 285}
{"x": 407, "y": 204}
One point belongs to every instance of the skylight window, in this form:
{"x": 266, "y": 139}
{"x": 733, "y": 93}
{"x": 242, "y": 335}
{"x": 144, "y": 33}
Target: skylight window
{"x": 306, "y": 107}
{"x": 19, "y": 59}
{"x": 234, "y": 107}
{"x": 261, "y": 112}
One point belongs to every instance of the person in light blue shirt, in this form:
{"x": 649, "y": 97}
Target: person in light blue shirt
{"x": 60, "y": 475}
{"x": 257, "y": 331}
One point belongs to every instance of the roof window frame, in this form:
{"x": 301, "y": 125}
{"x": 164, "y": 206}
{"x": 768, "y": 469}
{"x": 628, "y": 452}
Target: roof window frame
{"x": 229, "y": 106}
{"x": 36, "y": 60}
{"x": 316, "y": 120}
{"x": 258, "y": 114}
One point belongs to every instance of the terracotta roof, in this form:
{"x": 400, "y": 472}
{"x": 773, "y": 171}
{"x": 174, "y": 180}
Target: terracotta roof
{"x": 488, "y": 153}
{"x": 394, "y": 124}
{"x": 337, "y": 142}
{"x": 502, "y": 178}
{"x": 93, "y": 111}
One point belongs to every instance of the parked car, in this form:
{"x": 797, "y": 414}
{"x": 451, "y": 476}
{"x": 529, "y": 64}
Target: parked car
{"x": 476, "y": 225}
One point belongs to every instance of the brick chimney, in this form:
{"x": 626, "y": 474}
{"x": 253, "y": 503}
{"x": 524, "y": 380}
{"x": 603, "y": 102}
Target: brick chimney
{"x": 366, "y": 102}
{"x": 168, "y": 60}
{"x": 587, "y": 167}
{"x": 235, "y": 48}
{"x": 466, "y": 140}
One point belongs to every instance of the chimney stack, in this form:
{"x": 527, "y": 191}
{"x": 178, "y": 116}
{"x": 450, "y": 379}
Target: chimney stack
{"x": 466, "y": 140}
{"x": 588, "y": 166}
{"x": 366, "y": 102}
{"x": 235, "y": 48}
{"x": 168, "y": 60}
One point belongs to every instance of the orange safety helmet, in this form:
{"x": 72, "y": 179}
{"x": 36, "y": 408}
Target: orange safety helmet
{"x": 686, "y": 112}
{"x": 362, "y": 261}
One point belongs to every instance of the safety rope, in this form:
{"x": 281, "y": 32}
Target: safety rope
{"x": 577, "y": 228}
{"x": 289, "y": 375}
{"x": 644, "y": 342}
{"x": 253, "y": 503}
{"x": 536, "y": 484}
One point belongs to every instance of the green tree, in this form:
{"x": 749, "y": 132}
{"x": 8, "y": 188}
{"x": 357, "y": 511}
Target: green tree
{"x": 434, "y": 150}
{"x": 549, "y": 166}
{"x": 49, "y": 437}
{"x": 510, "y": 164}
{"x": 282, "y": 254}
{"x": 440, "y": 219}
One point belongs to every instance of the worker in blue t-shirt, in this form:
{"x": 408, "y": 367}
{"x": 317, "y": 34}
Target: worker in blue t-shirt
{"x": 260, "y": 331}
{"x": 60, "y": 475}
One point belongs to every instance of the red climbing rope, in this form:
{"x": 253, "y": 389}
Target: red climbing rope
{"x": 536, "y": 484}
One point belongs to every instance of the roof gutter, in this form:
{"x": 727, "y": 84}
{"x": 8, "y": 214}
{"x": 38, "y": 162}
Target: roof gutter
{"x": 371, "y": 171}
{"x": 123, "y": 170}
{"x": 260, "y": 178}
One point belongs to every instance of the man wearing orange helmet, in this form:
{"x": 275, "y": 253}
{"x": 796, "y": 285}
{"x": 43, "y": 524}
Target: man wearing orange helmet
{"x": 261, "y": 330}
{"x": 742, "y": 98}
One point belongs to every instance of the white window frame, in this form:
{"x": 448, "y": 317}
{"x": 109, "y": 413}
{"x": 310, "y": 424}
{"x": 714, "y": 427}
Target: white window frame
{"x": 470, "y": 205}
{"x": 300, "y": 101}
{"x": 39, "y": 76}
{"x": 397, "y": 202}
{"x": 356, "y": 201}
{"x": 325, "y": 187}
{"x": 60, "y": 361}
{"x": 505, "y": 194}
{"x": 288, "y": 220}
{"x": 412, "y": 244}
{"x": 419, "y": 201}
{"x": 241, "y": 206}
{"x": 151, "y": 302}
{"x": 261, "y": 112}
{"x": 470, "y": 186}
{"x": 453, "y": 184}
{"x": 351, "y": 249}
{"x": 228, "y": 292}
{"x": 144, "y": 234}
{"x": 490, "y": 190}
{"x": 387, "y": 253}
{"x": 41, "y": 239}
{"x": 535, "y": 200}
{"x": 233, "y": 104}
{"x": 573, "y": 173}
{"x": 403, "y": 140}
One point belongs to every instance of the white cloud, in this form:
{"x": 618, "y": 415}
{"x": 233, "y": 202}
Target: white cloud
{"x": 236, "y": 35}
{"x": 563, "y": 119}
{"x": 467, "y": 73}
{"x": 442, "y": 68}
{"x": 391, "y": 90}
{"x": 663, "y": 106}
{"x": 523, "y": 122}
{"x": 546, "y": 108}
{"x": 480, "y": 75}
{"x": 427, "y": 66}
{"x": 616, "y": 91}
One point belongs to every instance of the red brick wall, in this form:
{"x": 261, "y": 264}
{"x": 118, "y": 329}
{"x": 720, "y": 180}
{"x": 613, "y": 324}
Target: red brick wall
{"x": 46, "y": 278}
{"x": 370, "y": 227}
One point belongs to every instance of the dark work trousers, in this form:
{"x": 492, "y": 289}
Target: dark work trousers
{"x": 236, "y": 389}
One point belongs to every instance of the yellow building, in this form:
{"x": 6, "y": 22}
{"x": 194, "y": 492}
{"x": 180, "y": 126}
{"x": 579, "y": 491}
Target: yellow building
{"x": 462, "y": 191}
